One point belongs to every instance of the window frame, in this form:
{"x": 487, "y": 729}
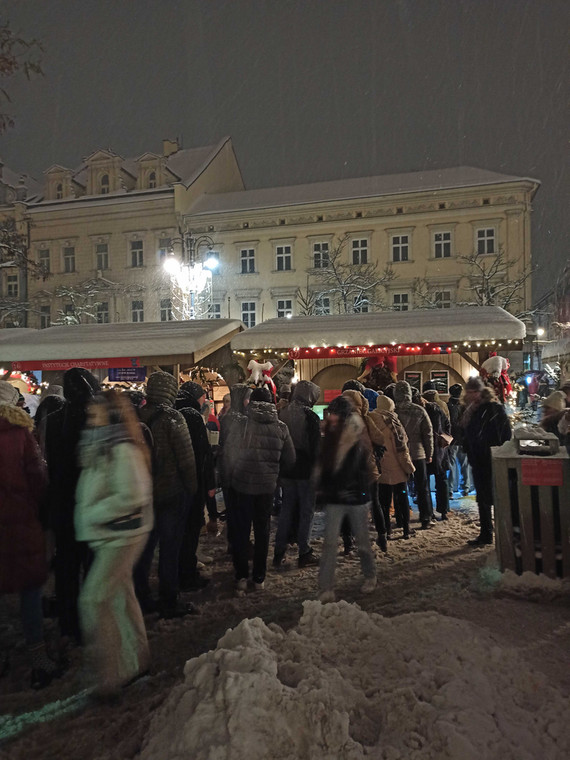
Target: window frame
{"x": 102, "y": 316}
{"x": 48, "y": 257}
{"x": 320, "y": 308}
{"x": 446, "y": 302}
{"x": 284, "y": 256}
{"x": 486, "y": 239}
{"x": 105, "y": 184}
{"x": 363, "y": 308}
{"x": 247, "y": 262}
{"x": 136, "y": 252}
{"x": 359, "y": 246}
{"x": 105, "y": 254}
{"x": 138, "y": 310}
{"x": 215, "y": 311}
{"x": 11, "y": 281}
{"x": 442, "y": 244}
{"x": 400, "y": 245}
{"x": 283, "y": 311}
{"x": 406, "y": 303}
{"x": 45, "y": 311}
{"x": 323, "y": 253}
{"x": 166, "y": 310}
{"x": 66, "y": 257}
{"x": 246, "y": 313}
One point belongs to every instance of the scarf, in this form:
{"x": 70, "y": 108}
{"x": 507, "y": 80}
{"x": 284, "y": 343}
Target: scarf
{"x": 391, "y": 420}
{"x": 99, "y": 441}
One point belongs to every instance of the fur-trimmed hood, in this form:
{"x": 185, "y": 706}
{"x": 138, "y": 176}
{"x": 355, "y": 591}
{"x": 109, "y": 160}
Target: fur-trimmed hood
{"x": 16, "y": 416}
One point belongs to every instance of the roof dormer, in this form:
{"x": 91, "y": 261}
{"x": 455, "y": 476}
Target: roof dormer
{"x": 59, "y": 184}
{"x": 104, "y": 170}
{"x": 151, "y": 172}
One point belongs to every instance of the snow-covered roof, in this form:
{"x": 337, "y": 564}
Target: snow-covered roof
{"x": 469, "y": 323}
{"x": 354, "y": 188}
{"x": 555, "y": 349}
{"x": 96, "y": 341}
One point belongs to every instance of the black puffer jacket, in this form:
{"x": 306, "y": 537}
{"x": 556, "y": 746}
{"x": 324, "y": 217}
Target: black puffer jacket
{"x": 189, "y": 408}
{"x": 347, "y": 479}
{"x": 173, "y": 462}
{"x": 238, "y": 393}
{"x": 456, "y": 410}
{"x": 258, "y": 446}
{"x": 440, "y": 424}
{"x": 304, "y": 428}
{"x": 485, "y": 425}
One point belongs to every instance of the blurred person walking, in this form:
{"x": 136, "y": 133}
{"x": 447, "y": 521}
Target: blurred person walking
{"x": 441, "y": 438}
{"x": 457, "y": 457}
{"x": 114, "y": 516}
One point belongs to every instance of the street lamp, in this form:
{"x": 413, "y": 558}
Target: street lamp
{"x": 191, "y": 276}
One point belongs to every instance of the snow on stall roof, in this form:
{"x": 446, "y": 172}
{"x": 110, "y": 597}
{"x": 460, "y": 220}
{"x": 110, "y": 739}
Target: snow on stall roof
{"x": 353, "y": 188}
{"x": 383, "y": 328}
{"x": 96, "y": 341}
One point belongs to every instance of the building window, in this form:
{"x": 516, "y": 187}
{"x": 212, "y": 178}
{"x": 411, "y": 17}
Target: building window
{"x": 486, "y": 240}
{"x": 442, "y": 245}
{"x": 45, "y": 317}
{"x": 166, "y": 314}
{"x": 137, "y": 311}
{"x": 360, "y": 305}
{"x": 400, "y": 302}
{"x": 136, "y": 253}
{"x": 69, "y": 310}
{"x": 247, "y": 256}
{"x": 12, "y": 286}
{"x": 215, "y": 311}
{"x": 59, "y": 191}
{"x": 320, "y": 255}
{"x": 103, "y": 313}
{"x": 152, "y": 180}
{"x": 285, "y": 308}
{"x": 442, "y": 299}
{"x": 44, "y": 259}
{"x": 284, "y": 258}
{"x": 102, "y": 255}
{"x": 322, "y": 305}
{"x": 360, "y": 251}
{"x": 248, "y": 313}
{"x": 104, "y": 185}
{"x": 164, "y": 246}
{"x": 400, "y": 247}
{"x": 69, "y": 259}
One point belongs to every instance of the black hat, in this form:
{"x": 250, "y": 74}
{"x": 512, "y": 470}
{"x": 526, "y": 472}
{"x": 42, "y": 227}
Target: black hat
{"x": 261, "y": 394}
{"x": 455, "y": 390}
{"x": 342, "y": 406}
{"x": 353, "y": 385}
{"x": 193, "y": 389}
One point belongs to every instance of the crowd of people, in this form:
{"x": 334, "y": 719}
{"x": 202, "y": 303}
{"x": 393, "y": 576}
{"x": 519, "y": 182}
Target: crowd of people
{"x": 100, "y": 482}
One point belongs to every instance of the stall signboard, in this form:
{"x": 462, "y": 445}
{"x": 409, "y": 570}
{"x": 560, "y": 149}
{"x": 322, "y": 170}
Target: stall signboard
{"x": 440, "y": 379}
{"x": 414, "y": 379}
{"x": 63, "y": 364}
{"x": 127, "y": 374}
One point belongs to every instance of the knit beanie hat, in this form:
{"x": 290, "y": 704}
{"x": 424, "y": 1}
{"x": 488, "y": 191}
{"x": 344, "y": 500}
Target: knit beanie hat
{"x": 389, "y": 390}
{"x": 79, "y": 386}
{"x": 402, "y": 391}
{"x": 430, "y": 395}
{"x": 474, "y": 384}
{"x": 8, "y": 394}
{"x": 193, "y": 389}
{"x": 261, "y": 394}
{"x": 161, "y": 388}
{"x": 556, "y": 400}
{"x": 353, "y": 385}
{"x": 455, "y": 390}
{"x": 342, "y": 406}
{"x": 428, "y": 386}
{"x": 372, "y": 398}
{"x": 385, "y": 404}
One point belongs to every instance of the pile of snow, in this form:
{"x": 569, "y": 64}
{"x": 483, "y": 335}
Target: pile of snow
{"x": 345, "y": 685}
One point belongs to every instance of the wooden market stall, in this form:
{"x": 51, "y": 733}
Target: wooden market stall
{"x": 442, "y": 345}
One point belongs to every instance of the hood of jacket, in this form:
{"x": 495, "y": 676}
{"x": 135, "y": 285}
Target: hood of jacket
{"x": 161, "y": 388}
{"x": 402, "y": 392}
{"x": 184, "y": 400}
{"x": 262, "y": 411}
{"x": 79, "y": 386}
{"x": 358, "y": 400}
{"x": 238, "y": 393}
{"x": 14, "y": 416}
{"x": 306, "y": 393}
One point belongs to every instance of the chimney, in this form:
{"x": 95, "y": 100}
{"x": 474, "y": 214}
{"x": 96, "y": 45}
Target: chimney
{"x": 169, "y": 147}
{"x": 21, "y": 190}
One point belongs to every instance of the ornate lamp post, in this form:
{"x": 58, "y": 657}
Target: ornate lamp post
{"x": 191, "y": 274}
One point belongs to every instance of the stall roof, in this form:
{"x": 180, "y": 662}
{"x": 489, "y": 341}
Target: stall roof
{"x": 94, "y": 341}
{"x": 474, "y": 323}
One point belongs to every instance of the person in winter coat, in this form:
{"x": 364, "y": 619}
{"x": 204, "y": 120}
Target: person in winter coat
{"x": 457, "y": 458}
{"x": 417, "y": 425}
{"x": 114, "y": 516}
{"x": 397, "y": 465}
{"x": 23, "y": 566}
{"x": 298, "y": 489}
{"x": 174, "y": 484}
{"x": 553, "y": 410}
{"x": 343, "y": 478}
{"x": 189, "y": 401}
{"x": 376, "y": 448}
{"x": 430, "y": 393}
{"x": 257, "y": 448}
{"x": 63, "y": 428}
{"x": 486, "y": 424}
{"x": 438, "y": 466}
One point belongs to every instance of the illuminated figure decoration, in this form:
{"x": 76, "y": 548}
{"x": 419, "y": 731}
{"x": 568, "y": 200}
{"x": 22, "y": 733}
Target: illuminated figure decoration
{"x": 494, "y": 371}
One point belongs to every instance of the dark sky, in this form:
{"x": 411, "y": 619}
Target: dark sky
{"x": 308, "y": 89}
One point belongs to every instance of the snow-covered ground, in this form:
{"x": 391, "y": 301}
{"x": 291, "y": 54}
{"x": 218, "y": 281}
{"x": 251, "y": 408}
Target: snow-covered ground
{"x": 448, "y": 658}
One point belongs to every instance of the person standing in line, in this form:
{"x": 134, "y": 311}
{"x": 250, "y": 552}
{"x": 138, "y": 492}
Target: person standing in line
{"x": 343, "y": 479}
{"x": 397, "y": 466}
{"x": 114, "y": 515}
{"x": 419, "y": 430}
{"x": 23, "y": 566}
{"x": 305, "y": 429}
{"x": 438, "y": 467}
{"x": 458, "y": 463}
{"x": 486, "y": 424}
{"x": 174, "y": 484}
{"x": 257, "y": 448}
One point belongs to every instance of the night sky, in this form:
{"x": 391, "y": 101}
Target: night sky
{"x": 309, "y": 90}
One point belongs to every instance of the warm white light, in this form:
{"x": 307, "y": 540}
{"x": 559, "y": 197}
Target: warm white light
{"x": 474, "y": 372}
{"x": 540, "y": 332}
{"x": 171, "y": 265}
{"x": 288, "y": 316}
{"x": 211, "y": 263}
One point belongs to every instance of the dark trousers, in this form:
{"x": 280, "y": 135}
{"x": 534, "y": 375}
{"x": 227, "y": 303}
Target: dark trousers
{"x": 399, "y": 493}
{"x": 71, "y": 562}
{"x": 244, "y": 511}
{"x": 441, "y": 487}
{"x": 425, "y": 506}
{"x": 168, "y": 533}
{"x": 187, "y": 561}
{"x": 378, "y": 514}
{"x": 484, "y": 491}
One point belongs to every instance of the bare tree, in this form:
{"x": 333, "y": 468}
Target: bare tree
{"x": 14, "y": 252}
{"x": 351, "y": 287}
{"x": 17, "y": 55}
{"x": 84, "y": 299}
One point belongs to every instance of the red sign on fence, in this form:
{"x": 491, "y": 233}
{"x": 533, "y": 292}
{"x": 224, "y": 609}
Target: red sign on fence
{"x": 542, "y": 472}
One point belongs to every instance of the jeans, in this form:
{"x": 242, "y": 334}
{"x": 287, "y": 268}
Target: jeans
{"x": 458, "y": 465}
{"x": 31, "y": 614}
{"x": 296, "y": 492}
{"x": 399, "y": 493}
{"x": 358, "y": 517}
{"x": 169, "y": 522}
{"x": 245, "y": 510}
{"x": 421, "y": 481}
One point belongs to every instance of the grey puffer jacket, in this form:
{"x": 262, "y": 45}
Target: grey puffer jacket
{"x": 415, "y": 421}
{"x": 173, "y": 461}
{"x": 305, "y": 429}
{"x": 257, "y": 447}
